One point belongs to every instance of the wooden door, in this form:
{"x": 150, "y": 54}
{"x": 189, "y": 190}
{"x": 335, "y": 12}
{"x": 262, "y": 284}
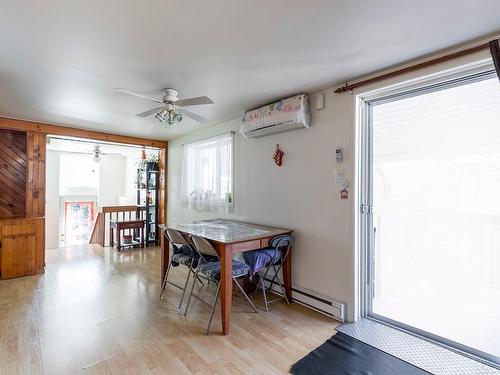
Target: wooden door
{"x": 18, "y": 256}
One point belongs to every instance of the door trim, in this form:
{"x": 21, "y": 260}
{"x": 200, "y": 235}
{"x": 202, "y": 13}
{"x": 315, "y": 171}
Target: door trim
{"x": 456, "y": 77}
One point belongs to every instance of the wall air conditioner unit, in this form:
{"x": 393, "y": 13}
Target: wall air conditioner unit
{"x": 281, "y": 116}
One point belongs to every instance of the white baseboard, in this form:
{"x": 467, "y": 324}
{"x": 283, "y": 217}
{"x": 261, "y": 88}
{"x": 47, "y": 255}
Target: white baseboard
{"x": 325, "y": 305}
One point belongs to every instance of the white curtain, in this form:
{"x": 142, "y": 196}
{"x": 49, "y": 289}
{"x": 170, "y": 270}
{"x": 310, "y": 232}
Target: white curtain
{"x": 207, "y": 174}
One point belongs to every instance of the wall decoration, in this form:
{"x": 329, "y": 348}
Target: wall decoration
{"x": 278, "y": 156}
{"x": 344, "y": 194}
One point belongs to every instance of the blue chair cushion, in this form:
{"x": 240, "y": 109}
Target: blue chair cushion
{"x": 260, "y": 259}
{"x": 181, "y": 258}
{"x": 185, "y": 250}
{"x": 212, "y": 269}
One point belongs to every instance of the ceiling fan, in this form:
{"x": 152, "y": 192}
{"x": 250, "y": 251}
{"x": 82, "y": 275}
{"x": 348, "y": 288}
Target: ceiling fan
{"x": 172, "y": 109}
{"x": 97, "y": 153}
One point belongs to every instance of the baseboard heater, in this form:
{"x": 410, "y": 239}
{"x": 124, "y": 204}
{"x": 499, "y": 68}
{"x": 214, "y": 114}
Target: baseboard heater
{"x": 322, "y": 304}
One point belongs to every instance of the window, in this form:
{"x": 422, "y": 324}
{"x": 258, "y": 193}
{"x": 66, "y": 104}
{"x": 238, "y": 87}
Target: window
{"x": 207, "y": 174}
{"x": 77, "y": 172}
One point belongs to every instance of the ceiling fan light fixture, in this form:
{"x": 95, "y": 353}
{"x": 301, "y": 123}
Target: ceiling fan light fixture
{"x": 173, "y": 109}
{"x": 97, "y": 154}
{"x": 159, "y": 117}
{"x": 173, "y": 117}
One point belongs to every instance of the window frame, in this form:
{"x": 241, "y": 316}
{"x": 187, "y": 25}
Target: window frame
{"x": 231, "y": 134}
{"x": 470, "y": 73}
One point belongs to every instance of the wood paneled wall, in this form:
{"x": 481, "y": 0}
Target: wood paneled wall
{"x": 38, "y": 127}
{"x": 162, "y": 197}
{"x": 23, "y": 247}
{"x": 22, "y": 189}
{"x": 22, "y": 174}
{"x": 35, "y": 197}
{"x": 13, "y": 174}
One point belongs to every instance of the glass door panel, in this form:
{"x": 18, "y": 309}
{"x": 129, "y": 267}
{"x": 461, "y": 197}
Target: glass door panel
{"x": 436, "y": 213}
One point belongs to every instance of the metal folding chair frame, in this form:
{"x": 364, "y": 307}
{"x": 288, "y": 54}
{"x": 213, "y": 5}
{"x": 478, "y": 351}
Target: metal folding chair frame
{"x": 216, "y": 300}
{"x": 165, "y": 280}
{"x": 276, "y": 268}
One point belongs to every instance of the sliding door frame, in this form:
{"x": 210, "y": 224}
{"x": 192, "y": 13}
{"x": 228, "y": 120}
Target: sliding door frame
{"x": 475, "y": 72}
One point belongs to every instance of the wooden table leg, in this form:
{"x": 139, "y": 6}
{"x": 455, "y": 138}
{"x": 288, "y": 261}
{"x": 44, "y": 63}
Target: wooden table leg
{"x": 165, "y": 255}
{"x": 226, "y": 280}
{"x": 118, "y": 239}
{"x": 287, "y": 275}
{"x": 111, "y": 239}
{"x": 142, "y": 236}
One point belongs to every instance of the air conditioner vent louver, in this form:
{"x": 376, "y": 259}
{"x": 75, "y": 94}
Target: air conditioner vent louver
{"x": 283, "y": 115}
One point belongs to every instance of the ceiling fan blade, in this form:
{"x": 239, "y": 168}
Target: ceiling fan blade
{"x": 149, "y": 113}
{"x": 192, "y": 115}
{"x": 194, "y": 101}
{"x": 139, "y": 95}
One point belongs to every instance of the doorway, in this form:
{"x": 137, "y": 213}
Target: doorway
{"x": 82, "y": 176}
{"x": 431, "y": 210}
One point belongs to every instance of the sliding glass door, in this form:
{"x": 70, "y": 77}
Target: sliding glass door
{"x": 432, "y": 207}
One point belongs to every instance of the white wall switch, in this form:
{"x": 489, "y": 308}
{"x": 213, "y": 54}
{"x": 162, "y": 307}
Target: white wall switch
{"x": 320, "y": 101}
{"x": 339, "y": 176}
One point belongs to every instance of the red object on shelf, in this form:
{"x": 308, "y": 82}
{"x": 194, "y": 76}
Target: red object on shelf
{"x": 278, "y": 156}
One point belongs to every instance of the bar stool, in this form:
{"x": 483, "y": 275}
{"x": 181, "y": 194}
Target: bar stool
{"x": 210, "y": 267}
{"x": 272, "y": 257}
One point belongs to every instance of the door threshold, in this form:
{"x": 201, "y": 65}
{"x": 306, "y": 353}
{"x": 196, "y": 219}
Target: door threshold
{"x": 418, "y": 351}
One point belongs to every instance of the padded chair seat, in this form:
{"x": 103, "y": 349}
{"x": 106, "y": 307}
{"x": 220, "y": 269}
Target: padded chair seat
{"x": 181, "y": 258}
{"x": 212, "y": 269}
{"x": 262, "y": 258}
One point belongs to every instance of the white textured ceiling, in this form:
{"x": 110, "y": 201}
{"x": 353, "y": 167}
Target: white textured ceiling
{"x": 60, "y": 59}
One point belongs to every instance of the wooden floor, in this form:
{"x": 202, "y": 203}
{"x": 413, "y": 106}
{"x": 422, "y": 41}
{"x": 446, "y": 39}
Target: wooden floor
{"x": 96, "y": 311}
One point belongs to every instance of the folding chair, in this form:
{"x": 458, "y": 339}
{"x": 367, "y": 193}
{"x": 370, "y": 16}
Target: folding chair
{"x": 210, "y": 267}
{"x": 183, "y": 255}
{"x": 263, "y": 260}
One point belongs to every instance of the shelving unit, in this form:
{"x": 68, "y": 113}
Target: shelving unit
{"x": 147, "y": 200}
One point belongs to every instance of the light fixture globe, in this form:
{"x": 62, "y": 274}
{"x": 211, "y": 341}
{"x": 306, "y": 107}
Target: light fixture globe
{"x": 97, "y": 154}
{"x": 174, "y": 117}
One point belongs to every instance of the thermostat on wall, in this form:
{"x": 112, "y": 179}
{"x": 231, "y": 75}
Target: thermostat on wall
{"x": 320, "y": 101}
{"x": 339, "y": 155}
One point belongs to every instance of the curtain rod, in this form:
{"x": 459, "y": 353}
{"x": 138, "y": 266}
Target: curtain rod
{"x": 232, "y": 132}
{"x": 424, "y": 64}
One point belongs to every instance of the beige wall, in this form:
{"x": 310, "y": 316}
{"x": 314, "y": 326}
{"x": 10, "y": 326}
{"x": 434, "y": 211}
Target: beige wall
{"x": 301, "y": 194}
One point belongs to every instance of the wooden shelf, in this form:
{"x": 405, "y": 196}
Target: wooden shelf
{"x": 149, "y": 175}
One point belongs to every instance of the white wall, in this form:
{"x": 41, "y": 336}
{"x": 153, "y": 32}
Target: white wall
{"x": 116, "y": 186}
{"x": 52, "y": 200}
{"x": 301, "y": 194}
{"x": 130, "y": 192}
{"x": 111, "y": 179}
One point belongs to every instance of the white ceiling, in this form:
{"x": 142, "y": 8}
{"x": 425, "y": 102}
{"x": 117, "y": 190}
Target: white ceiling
{"x": 60, "y": 60}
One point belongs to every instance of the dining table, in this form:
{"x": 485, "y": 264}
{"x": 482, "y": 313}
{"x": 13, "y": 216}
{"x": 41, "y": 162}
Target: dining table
{"x": 229, "y": 237}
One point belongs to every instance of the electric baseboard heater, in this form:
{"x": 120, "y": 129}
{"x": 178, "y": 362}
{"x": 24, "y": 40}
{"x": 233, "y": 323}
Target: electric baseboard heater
{"x": 280, "y": 116}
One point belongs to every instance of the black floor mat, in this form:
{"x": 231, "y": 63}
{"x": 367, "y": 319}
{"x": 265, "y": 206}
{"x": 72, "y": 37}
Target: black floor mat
{"x": 344, "y": 355}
